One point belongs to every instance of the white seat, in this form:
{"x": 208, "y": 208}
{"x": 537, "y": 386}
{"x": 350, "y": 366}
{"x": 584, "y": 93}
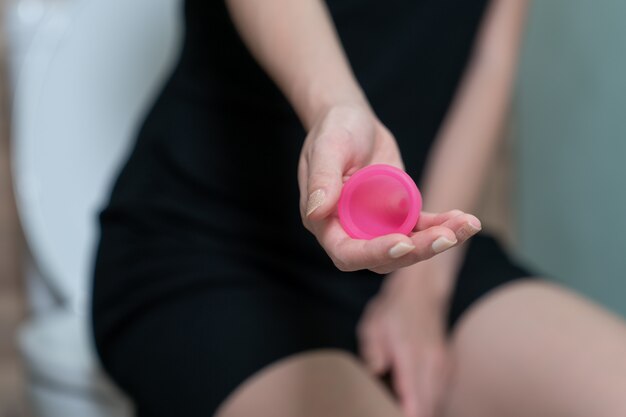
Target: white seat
{"x": 83, "y": 73}
{"x": 63, "y": 377}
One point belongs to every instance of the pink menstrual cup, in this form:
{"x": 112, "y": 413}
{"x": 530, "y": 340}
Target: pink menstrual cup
{"x": 378, "y": 200}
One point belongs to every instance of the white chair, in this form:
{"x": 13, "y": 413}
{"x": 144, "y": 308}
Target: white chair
{"x": 83, "y": 73}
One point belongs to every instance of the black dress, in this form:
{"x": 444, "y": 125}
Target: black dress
{"x": 204, "y": 272}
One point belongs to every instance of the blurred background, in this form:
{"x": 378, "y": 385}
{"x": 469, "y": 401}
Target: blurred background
{"x": 12, "y": 299}
{"x": 76, "y": 75}
{"x": 570, "y": 145}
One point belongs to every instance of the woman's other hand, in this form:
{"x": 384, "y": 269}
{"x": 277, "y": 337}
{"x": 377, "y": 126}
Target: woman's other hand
{"x": 402, "y": 332}
{"x": 341, "y": 141}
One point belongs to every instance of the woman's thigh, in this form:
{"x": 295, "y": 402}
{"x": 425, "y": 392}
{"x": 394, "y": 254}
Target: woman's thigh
{"x": 328, "y": 382}
{"x": 532, "y": 348}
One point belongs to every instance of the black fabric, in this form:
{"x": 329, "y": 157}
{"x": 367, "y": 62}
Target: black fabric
{"x": 204, "y": 273}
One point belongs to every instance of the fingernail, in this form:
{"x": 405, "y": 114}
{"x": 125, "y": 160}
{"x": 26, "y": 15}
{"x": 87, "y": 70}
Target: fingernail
{"x": 442, "y": 243}
{"x": 316, "y": 199}
{"x": 468, "y": 230}
{"x": 400, "y": 249}
{"x": 475, "y": 226}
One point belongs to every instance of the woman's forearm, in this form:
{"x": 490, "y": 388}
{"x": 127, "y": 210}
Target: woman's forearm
{"x": 464, "y": 149}
{"x": 463, "y": 152}
{"x": 297, "y": 45}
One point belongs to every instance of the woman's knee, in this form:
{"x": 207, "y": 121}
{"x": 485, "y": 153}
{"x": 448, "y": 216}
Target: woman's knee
{"x": 536, "y": 343}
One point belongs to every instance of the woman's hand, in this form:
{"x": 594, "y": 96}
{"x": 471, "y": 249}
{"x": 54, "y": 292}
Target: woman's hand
{"x": 341, "y": 141}
{"x": 402, "y": 331}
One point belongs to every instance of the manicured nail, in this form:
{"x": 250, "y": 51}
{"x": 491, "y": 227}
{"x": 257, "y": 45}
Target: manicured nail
{"x": 400, "y": 249}
{"x": 442, "y": 243}
{"x": 466, "y": 231}
{"x": 474, "y": 226}
{"x": 316, "y": 199}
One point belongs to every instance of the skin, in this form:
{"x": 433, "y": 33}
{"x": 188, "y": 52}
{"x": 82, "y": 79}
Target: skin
{"x": 493, "y": 364}
{"x": 528, "y": 350}
{"x": 297, "y": 45}
{"x": 412, "y": 316}
{"x": 537, "y": 349}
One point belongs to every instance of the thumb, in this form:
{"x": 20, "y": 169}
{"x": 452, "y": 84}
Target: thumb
{"x": 324, "y": 182}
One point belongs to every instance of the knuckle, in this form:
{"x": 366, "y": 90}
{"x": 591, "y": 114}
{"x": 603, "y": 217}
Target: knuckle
{"x": 466, "y": 218}
{"x": 443, "y": 231}
{"x": 339, "y": 259}
{"x": 455, "y": 212}
{"x": 341, "y": 265}
{"x": 332, "y": 141}
{"x": 322, "y": 175}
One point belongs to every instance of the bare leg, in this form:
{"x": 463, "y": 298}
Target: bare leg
{"x": 535, "y": 349}
{"x": 328, "y": 383}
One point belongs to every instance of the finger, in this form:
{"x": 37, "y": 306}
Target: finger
{"x": 428, "y": 243}
{"x": 434, "y": 240}
{"x": 428, "y": 219}
{"x": 326, "y": 165}
{"x": 405, "y": 380}
{"x": 387, "y": 252}
{"x": 464, "y": 226}
{"x": 434, "y": 380}
{"x": 431, "y": 381}
{"x": 303, "y": 170}
{"x": 354, "y": 254}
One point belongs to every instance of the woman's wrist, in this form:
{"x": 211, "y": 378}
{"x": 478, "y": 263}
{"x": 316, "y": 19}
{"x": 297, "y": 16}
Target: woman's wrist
{"x": 314, "y": 99}
{"x": 432, "y": 280}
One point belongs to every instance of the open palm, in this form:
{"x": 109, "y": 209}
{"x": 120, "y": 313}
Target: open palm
{"x": 344, "y": 140}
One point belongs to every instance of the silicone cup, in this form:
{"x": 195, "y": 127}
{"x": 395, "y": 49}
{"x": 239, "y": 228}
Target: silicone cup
{"x": 378, "y": 200}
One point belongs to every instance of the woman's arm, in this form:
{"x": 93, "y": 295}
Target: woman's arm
{"x": 403, "y": 328}
{"x": 296, "y": 44}
{"x": 464, "y": 150}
